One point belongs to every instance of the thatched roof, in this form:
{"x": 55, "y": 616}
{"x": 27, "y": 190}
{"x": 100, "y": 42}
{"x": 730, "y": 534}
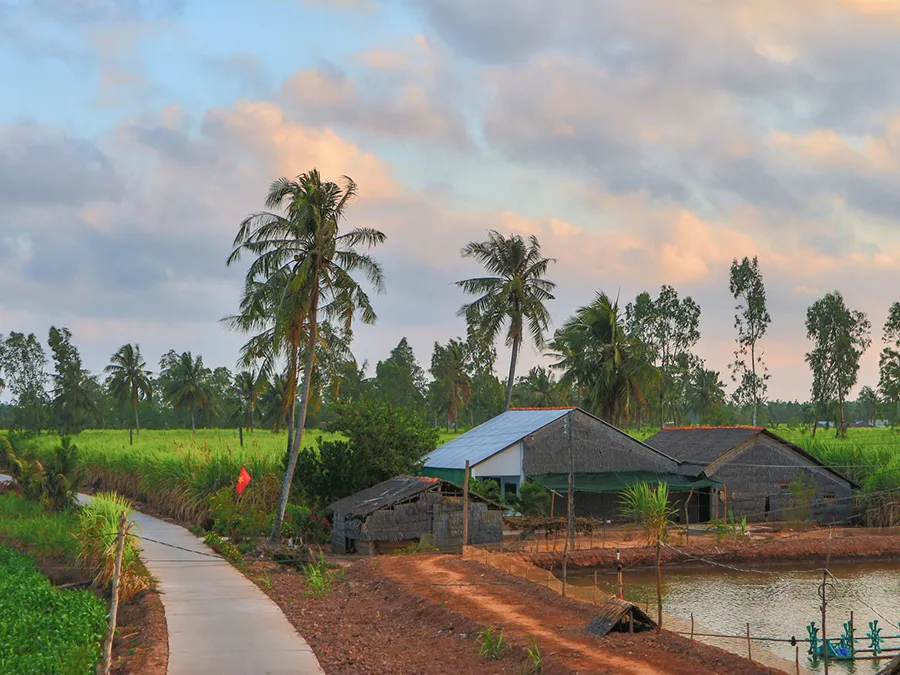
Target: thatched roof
{"x": 613, "y": 611}
{"x": 698, "y": 447}
{"x": 393, "y": 491}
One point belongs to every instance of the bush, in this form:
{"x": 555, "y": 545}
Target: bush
{"x": 45, "y": 631}
{"x": 303, "y": 525}
{"x": 98, "y": 527}
{"x": 54, "y": 482}
{"x": 649, "y": 507}
{"x": 236, "y": 517}
{"x": 223, "y": 547}
{"x": 531, "y": 500}
{"x": 383, "y": 442}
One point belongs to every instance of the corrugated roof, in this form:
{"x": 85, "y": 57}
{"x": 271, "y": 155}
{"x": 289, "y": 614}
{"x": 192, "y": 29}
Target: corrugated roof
{"x": 384, "y": 494}
{"x": 493, "y": 436}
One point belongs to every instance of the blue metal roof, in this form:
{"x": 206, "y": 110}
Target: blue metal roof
{"x": 491, "y": 437}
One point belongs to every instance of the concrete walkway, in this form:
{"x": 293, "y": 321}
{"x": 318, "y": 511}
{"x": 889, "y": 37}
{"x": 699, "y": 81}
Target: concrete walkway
{"x": 219, "y": 622}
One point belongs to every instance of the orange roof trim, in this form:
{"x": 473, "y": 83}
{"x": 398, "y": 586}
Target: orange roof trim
{"x": 739, "y": 426}
{"x": 559, "y": 407}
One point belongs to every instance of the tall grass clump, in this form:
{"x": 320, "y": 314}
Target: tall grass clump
{"x": 97, "y": 532}
{"x": 648, "y": 507}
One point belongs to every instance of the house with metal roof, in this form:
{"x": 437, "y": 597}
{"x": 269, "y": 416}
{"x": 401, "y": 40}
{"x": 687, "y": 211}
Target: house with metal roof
{"x": 759, "y": 474}
{"x": 408, "y": 509}
{"x": 534, "y": 444}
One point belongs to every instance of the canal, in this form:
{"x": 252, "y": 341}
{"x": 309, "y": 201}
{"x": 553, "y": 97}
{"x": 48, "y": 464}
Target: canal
{"x": 780, "y": 603}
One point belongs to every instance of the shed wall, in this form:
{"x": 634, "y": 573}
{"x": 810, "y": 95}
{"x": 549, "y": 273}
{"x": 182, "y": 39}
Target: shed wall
{"x": 766, "y": 468}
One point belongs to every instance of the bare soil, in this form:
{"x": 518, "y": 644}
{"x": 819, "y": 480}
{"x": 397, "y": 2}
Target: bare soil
{"x": 782, "y": 547}
{"x": 422, "y": 615}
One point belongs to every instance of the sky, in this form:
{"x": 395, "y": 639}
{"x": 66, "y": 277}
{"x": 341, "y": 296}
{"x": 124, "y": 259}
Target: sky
{"x": 644, "y": 143}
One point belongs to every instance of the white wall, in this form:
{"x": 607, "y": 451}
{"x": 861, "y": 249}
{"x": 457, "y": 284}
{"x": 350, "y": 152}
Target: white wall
{"x": 505, "y": 463}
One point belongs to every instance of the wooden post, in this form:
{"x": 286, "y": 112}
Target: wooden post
{"x": 852, "y": 644}
{"x": 658, "y": 586}
{"x": 692, "y": 626}
{"x": 619, "y": 574}
{"x": 687, "y": 518}
{"x": 824, "y": 639}
{"x": 571, "y": 496}
{"x": 552, "y": 501}
{"x": 465, "y": 540}
{"x": 797, "y": 658}
{"x": 749, "y": 653}
{"x": 114, "y": 602}
{"x": 725, "y": 499}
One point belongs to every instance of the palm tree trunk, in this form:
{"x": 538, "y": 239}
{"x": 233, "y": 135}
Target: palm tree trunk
{"x": 134, "y": 403}
{"x": 512, "y": 372}
{"x": 304, "y": 405}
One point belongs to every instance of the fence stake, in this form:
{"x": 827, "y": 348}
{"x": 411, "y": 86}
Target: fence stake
{"x": 692, "y": 626}
{"x": 465, "y": 541}
{"x": 687, "y": 518}
{"x": 659, "y": 588}
{"x": 114, "y": 603}
{"x": 619, "y": 573}
{"x": 797, "y": 658}
{"x": 824, "y": 640}
{"x": 749, "y": 653}
{"x": 852, "y": 645}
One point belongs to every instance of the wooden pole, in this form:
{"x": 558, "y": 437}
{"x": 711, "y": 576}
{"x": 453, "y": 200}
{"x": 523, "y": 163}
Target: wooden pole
{"x": 852, "y": 644}
{"x": 571, "y": 496}
{"x": 114, "y": 602}
{"x": 552, "y": 501}
{"x": 619, "y": 574}
{"x": 797, "y": 658}
{"x": 687, "y": 518}
{"x": 658, "y": 586}
{"x": 692, "y": 626}
{"x": 465, "y": 538}
{"x": 824, "y": 639}
{"x": 749, "y": 653}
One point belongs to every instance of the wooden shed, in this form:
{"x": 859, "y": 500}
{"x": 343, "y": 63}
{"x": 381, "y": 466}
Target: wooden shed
{"x": 410, "y": 509}
{"x": 758, "y": 474}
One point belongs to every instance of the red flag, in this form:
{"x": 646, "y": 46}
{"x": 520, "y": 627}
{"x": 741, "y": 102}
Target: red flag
{"x": 243, "y": 480}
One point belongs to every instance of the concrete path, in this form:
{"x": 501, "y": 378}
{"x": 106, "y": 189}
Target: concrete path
{"x": 219, "y": 622}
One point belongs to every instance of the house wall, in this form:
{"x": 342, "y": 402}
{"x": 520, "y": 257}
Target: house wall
{"x": 432, "y": 514}
{"x": 505, "y": 466}
{"x": 748, "y": 486}
{"x": 596, "y": 447}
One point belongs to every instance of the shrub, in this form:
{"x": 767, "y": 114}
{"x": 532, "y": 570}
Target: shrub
{"x": 98, "y": 527}
{"x": 649, "y": 507}
{"x": 236, "y": 517}
{"x": 491, "y": 643}
{"x": 223, "y": 547}
{"x": 319, "y": 577}
{"x": 487, "y": 488}
{"x": 303, "y": 525}
{"x": 45, "y": 631}
{"x": 531, "y": 500}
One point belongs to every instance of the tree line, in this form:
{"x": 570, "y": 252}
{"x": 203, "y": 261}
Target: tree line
{"x": 632, "y": 364}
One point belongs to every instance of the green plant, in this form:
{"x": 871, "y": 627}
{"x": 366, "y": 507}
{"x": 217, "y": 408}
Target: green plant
{"x": 63, "y": 475}
{"x": 534, "y": 655}
{"x": 487, "y": 488}
{"x": 802, "y": 492}
{"x": 43, "y": 630}
{"x": 319, "y": 577}
{"x": 530, "y": 500}
{"x": 422, "y": 547}
{"x": 223, "y": 547}
{"x": 264, "y": 581}
{"x": 491, "y": 643}
{"x": 97, "y": 533}
{"x": 649, "y": 507}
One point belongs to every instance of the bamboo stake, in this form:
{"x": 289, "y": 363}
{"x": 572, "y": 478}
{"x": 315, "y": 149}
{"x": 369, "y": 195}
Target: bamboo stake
{"x": 687, "y": 518}
{"x": 619, "y": 573}
{"x": 749, "y": 653}
{"x": 692, "y": 626}
{"x": 114, "y": 603}
{"x": 797, "y": 658}
{"x": 824, "y": 640}
{"x": 659, "y": 587}
{"x": 465, "y": 540}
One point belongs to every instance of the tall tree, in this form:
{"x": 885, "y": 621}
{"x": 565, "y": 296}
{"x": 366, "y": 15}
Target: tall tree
{"x": 515, "y": 295}
{"x": 129, "y": 379}
{"x": 73, "y": 388}
{"x": 272, "y": 403}
{"x": 668, "y": 327}
{"x": 597, "y": 356}
{"x": 751, "y": 320}
{"x": 246, "y": 389}
{"x": 706, "y": 395}
{"x": 839, "y": 336}
{"x": 452, "y": 387}
{"x": 539, "y": 389}
{"x": 303, "y": 268}
{"x": 868, "y": 403}
{"x": 187, "y": 384}
{"x": 400, "y": 379}
{"x": 889, "y": 361}
{"x": 24, "y": 362}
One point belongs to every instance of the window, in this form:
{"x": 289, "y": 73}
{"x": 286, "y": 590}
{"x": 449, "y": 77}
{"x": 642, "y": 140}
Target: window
{"x": 828, "y": 499}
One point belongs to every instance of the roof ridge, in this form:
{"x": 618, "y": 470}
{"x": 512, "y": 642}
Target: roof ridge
{"x": 552, "y": 407}
{"x": 710, "y": 427}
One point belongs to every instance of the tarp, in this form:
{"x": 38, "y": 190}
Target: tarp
{"x": 455, "y": 476}
{"x": 619, "y": 480}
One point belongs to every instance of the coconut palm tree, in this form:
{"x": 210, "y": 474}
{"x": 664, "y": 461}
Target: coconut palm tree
{"x": 246, "y": 388}
{"x": 187, "y": 384}
{"x": 452, "y": 387}
{"x": 598, "y": 358}
{"x": 539, "y": 389}
{"x": 129, "y": 380}
{"x": 303, "y": 271}
{"x": 706, "y": 393}
{"x": 514, "y": 295}
{"x": 272, "y": 403}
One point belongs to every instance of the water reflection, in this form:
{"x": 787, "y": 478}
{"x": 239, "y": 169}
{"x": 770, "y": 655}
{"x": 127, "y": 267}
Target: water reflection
{"x": 777, "y": 605}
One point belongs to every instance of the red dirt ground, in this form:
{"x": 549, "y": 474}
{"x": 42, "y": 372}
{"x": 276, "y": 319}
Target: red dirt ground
{"x": 409, "y": 614}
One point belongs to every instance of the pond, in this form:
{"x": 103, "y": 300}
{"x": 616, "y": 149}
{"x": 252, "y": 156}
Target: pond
{"x": 778, "y": 604}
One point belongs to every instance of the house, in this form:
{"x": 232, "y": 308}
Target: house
{"x": 761, "y": 475}
{"x": 533, "y": 444}
{"x": 410, "y": 509}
